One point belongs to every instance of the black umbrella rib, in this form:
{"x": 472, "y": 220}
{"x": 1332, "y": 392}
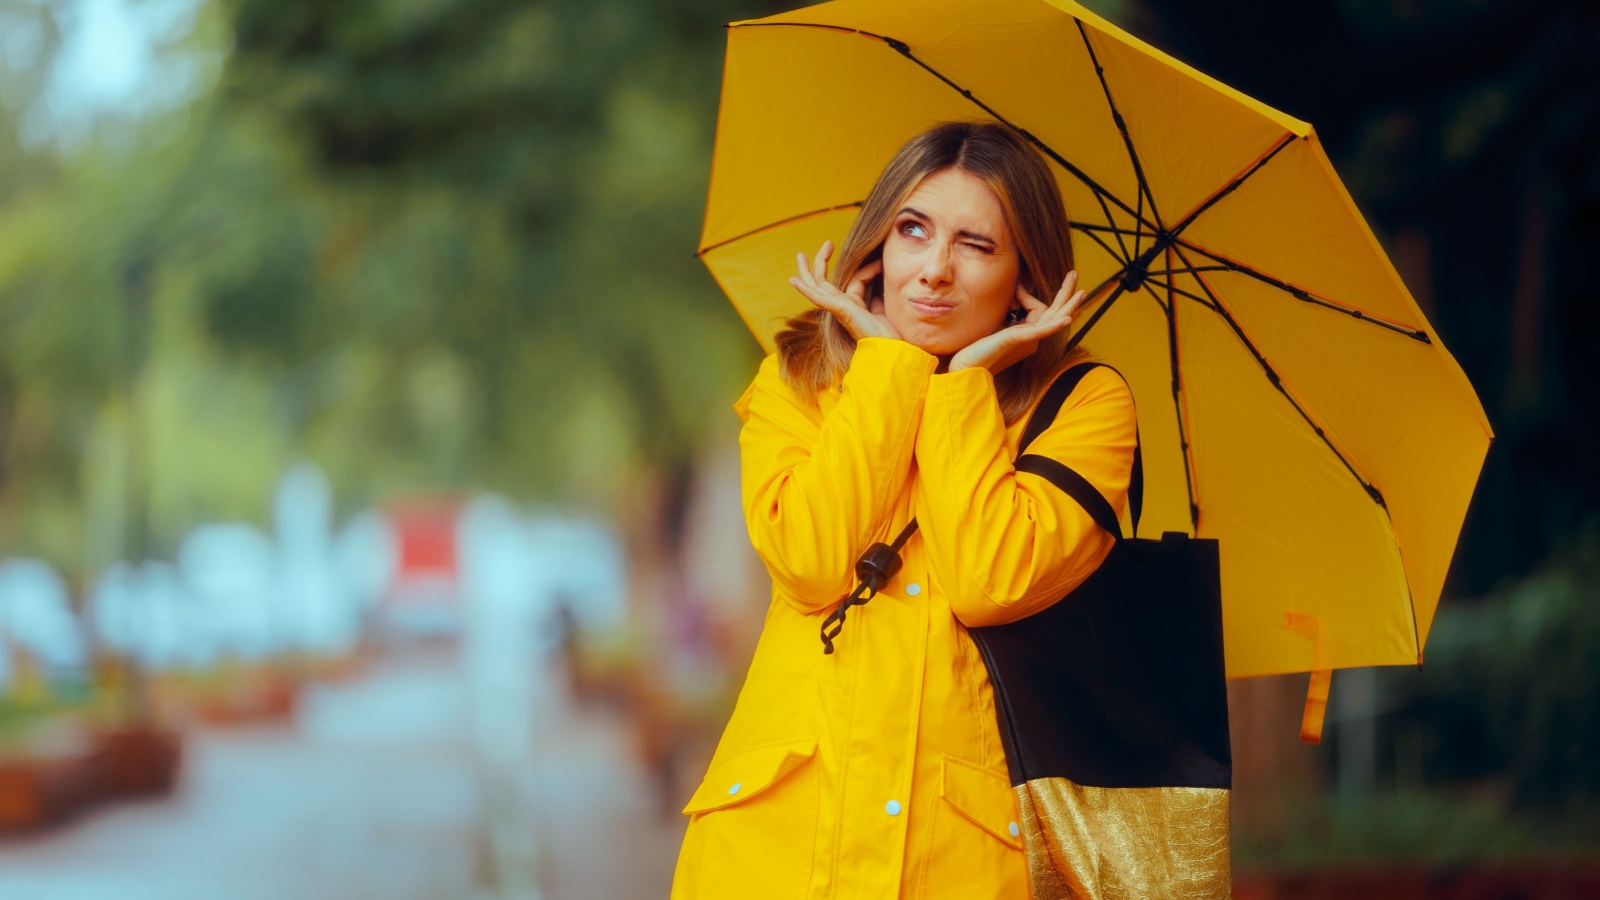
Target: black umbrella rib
{"x": 1094, "y": 231}
{"x": 1167, "y": 307}
{"x": 1110, "y": 229}
{"x": 1122, "y": 287}
{"x": 1177, "y": 395}
{"x": 1108, "y": 248}
{"x": 778, "y": 224}
{"x": 1189, "y": 294}
{"x": 904, "y": 49}
{"x": 1302, "y": 294}
{"x": 1154, "y": 272}
{"x": 1277, "y": 382}
{"x": 1233, "y": 185}
{"x": 1165, "y": 310}
{"x": 1122, "y": 127}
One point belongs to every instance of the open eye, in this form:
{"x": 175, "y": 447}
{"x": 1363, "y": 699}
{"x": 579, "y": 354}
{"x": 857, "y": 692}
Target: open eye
{"x": 907, "y": 226}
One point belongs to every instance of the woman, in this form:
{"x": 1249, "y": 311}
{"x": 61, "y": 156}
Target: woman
{"x": 877, "y": 770}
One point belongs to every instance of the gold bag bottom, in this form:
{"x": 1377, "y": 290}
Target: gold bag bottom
{"x": 1087, "y": 843}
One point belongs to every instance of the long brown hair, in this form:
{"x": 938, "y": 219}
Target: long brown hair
{"x": 814, "y": 350}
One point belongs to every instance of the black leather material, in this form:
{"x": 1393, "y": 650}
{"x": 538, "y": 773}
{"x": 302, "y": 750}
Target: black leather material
{"x": 1121, "y": 683}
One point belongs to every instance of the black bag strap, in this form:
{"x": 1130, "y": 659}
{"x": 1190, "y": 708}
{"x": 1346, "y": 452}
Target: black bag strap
{"x": 881, "y": 561}
{"x": 1074, "y": 485}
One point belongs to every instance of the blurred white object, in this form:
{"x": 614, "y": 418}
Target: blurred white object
{"x": 584, "y": 571}
{"x": 146, "y": 612}
{"x": 505, "y": 656}
{"x": 320, "y": 615}
{"x": 367, "y": 555}
{"x": 36, "y": 614}
{"x": 230, "y": 569}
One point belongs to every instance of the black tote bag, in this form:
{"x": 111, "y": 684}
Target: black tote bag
{"x": 1113, "y": 708}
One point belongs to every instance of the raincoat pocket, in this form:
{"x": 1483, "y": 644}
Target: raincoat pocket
{"x": 976, "y": 852}
{"x": 752, "y": 826}
{"x": 984, "y": 797}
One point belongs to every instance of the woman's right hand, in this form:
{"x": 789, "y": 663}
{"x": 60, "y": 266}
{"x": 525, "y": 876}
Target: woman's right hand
{"x": 849, "y": 306}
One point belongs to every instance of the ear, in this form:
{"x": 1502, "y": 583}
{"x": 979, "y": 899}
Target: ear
{"x": 874, "y": 289}
{"x": 1025, "y": 280}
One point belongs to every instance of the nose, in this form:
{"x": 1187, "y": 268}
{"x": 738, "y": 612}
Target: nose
{"x": 936, "y": 268}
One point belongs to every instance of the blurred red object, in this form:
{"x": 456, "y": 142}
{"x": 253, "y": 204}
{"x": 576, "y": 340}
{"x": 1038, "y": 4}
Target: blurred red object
{"x": 423, "y": 599}
{"x": 426, "y": 531}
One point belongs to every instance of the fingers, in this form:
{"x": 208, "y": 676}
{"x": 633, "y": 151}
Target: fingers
{"x": 1072, "y": 305}
{"x": 1068, "y": 284}
{"x": 817, "y": 297}
{"x": 819, "y": 266}
{"x": 806, "y": 267}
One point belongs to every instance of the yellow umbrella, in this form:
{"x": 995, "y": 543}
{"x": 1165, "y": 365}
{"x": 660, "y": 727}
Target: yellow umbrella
{"x": 1294, "y": 403}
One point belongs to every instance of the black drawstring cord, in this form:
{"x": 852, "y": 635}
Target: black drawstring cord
{"x": 875, "y": 568}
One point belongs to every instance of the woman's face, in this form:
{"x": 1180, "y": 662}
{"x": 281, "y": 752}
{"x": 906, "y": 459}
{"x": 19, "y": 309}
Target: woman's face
{"x": 950, "y": 265}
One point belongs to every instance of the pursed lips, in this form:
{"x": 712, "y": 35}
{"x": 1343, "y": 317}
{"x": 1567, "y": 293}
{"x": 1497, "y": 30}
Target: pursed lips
{"x": 931, "y": 307}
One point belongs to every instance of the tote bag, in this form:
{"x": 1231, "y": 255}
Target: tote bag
{"x": 1113, "y": 708}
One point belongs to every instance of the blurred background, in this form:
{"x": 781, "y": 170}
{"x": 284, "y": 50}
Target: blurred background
{"x": 369, "y": 518}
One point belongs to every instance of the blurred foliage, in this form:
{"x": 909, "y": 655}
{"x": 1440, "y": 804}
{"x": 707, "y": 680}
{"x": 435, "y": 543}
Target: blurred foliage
{"x": 424, "y": 244}
{"x": 1508, "y": 696}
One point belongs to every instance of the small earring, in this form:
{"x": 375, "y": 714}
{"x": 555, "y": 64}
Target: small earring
{"x": 1014, "y": 315}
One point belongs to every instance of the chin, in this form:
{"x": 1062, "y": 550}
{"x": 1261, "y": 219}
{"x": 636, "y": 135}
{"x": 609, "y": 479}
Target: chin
{"x": 931, "y": 338}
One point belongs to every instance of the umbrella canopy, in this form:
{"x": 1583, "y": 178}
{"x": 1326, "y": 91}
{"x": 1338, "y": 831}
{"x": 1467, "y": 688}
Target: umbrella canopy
{"x": 1294, "y": 403}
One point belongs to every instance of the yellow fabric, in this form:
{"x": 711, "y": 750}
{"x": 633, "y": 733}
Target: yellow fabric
{"x": 902, "y": 711}
{"x": 1316, "y": 706}
{"x": 815, "y": 101}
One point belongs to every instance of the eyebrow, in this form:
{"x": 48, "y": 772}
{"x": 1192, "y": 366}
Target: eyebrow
{"x": 962, "y": 233}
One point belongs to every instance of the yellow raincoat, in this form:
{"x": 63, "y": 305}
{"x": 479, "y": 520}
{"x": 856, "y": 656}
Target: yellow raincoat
{"x": 878, "y": 771}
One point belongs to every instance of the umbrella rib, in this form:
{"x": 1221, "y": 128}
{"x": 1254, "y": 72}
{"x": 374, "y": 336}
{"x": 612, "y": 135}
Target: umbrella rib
{"x": 1108, "y": 248}
{"x": 1277, "y": 382}
{"x": 1122, "y": 126}
{"x": 1112, "y": 222}
{"x": 781, "y": 222}
{"x": 1182, "y": 271}
{"x": 1192, "y": 296}
{"x": 1090, "y": 226}
{"x": 1177, "y": 397}
{"x": 1145, "y": 286}
{"x": 1233, "y": 185}
{"x": 1302, "y": 294}
{"x": 1122, "y": 286}
{"x": 1177, "y": 401}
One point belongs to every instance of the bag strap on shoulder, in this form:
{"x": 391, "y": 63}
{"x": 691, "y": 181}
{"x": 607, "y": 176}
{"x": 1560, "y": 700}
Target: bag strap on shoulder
{"x": 1063, "y": 477}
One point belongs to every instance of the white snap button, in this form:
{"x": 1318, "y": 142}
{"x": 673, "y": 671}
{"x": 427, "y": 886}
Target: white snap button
{"x": 913, "y": 589}
{"x": 892, "y": 807}
{"x": 1014, "y": 829}
{"x": 734, "y": 789}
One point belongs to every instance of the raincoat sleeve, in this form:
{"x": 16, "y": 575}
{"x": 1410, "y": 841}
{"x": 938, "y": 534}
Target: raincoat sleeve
{"x": 817, "y": 488}
{"x": 1011, "y": 543}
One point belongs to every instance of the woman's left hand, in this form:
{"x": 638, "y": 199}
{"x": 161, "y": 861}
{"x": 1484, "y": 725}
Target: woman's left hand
{"x": 1016, "y": 342}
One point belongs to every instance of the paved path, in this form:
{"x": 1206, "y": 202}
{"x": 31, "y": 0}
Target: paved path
{"x": 374, "y": 793}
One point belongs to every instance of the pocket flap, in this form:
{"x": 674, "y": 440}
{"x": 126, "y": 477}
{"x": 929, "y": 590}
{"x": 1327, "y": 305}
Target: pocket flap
{"x": 747, "y": 773}
{"x": 983, "y": 796}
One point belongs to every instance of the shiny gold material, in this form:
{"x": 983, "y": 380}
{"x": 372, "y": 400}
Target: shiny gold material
{"x": 1088, "y": 843}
